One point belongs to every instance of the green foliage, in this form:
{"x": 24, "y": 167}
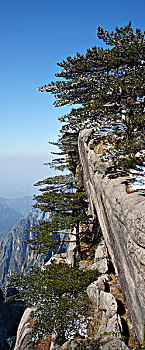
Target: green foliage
{"x": 68, "y": 207}
{"x": 140, "y": 347}
{"x": 11, "y": 341}
{"x": 107, "y": 83}
{"x": 58, "y": 293}
{"x": 123, "y": 338}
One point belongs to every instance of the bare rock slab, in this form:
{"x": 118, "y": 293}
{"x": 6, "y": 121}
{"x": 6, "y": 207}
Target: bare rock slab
{"x": 122, "y": 220}
{"x": 106, "y": 343}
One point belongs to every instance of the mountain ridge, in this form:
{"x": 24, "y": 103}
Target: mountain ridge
{"x": 22, "y": 204}
{"x": 8, "y": 219}
{"x": 15, "y": 254}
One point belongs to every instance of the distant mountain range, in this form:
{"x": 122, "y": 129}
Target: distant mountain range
{"x": 8, "y": 219}
{"x": 15, "y": 255}
{"x": 12, "y": 211}
{"x": 21, "y": 205}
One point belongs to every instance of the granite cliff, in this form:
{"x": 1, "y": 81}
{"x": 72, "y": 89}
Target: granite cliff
{"x": 122, "y": 220}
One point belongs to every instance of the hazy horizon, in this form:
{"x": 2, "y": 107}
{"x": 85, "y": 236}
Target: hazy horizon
{"x": 19, "y": 173}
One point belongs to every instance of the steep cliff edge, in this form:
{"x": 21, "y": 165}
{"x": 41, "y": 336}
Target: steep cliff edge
{"x": 103, "y": 329}
{"x": 122, "y": 221}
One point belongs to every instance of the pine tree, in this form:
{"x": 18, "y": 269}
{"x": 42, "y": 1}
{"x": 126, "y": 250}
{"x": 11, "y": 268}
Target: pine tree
{"x": 108, "y": 83}
{"x": 67, "y": 204}
{"x": 58, "y": 293}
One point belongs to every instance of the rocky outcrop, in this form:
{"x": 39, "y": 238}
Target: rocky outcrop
{"x": 24, "y": 340}
{"x": 106, "y": 343}
{"x": 106, "y": 318}
{"x": 24, "y": 335}
{"x": 107, "y": 313}
{"x": 122, "y": 220}
{"x": 100, "y": 259}
{"x": 103, "y": 319}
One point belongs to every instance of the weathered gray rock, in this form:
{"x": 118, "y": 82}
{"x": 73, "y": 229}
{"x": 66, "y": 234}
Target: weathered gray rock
{"x": 71, "y": 254}
{"x": 94, "y": 289}
{"x": 101, "y": 250}
{"x": 108, "y": 303}
{"x": 114, "y": 325}
{"x": 105, "y": 343}
{"x": 122, "y": 220}
{"x": 102, "y": 265}
{"x": 112, "y": 343}
{"x": 101, "y": 256}
{"x": 93, "y": 293}
{"x": 24, "y": 335}
{"x": 105, "y": 308}
{"x": 57, "y": 259}
{"x": 83, "y": 264}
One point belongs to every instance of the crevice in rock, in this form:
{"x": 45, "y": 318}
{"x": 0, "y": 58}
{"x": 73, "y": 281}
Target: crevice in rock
{"x": 96, "y": 230}
{"x": 121, "y": 308}
{"x": 111, "y": 269}
{"x": 107, "y": 287}
{"x": 125, "y": 331}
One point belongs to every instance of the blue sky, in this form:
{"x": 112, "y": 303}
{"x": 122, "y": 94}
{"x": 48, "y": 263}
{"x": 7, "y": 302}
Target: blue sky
{"x": 34, "y": 35}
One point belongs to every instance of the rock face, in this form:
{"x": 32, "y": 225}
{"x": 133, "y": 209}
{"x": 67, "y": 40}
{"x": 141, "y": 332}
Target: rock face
{"x": 103, "y": 319}
{"x": 101, "y": 258}
{"x": 122, "y": 220}
{"x": 24, "y": 334}
{"x": 106, "y": 343}
{"x": 106, "y": 318}
{"x": 24, "y": 331}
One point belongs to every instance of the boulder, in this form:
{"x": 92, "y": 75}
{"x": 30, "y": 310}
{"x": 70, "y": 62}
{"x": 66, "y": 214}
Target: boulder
{"x": 93, "y": 290}
{"x": 106, "y": 317}
{"x": 105, "y": 343}
{"x": 108, "y": 303}
{"x": 101, "y": 265}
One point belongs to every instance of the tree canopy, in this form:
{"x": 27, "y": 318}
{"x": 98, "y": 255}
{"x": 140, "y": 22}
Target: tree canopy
{"x": 58, "y": 294}
{"x": 110, "y": 85}
{"x": 68, "y": 207}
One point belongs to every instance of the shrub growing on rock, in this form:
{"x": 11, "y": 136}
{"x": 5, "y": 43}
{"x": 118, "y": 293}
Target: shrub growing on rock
{"x": 59, "y": 294}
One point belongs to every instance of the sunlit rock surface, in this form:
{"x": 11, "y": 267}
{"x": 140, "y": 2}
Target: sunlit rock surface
{"x": 106, "y": 318}
{"x": 122, "y": 220}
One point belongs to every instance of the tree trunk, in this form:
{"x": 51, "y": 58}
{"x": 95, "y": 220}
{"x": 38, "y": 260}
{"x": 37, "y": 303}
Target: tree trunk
{"x": 77, "y": 238}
